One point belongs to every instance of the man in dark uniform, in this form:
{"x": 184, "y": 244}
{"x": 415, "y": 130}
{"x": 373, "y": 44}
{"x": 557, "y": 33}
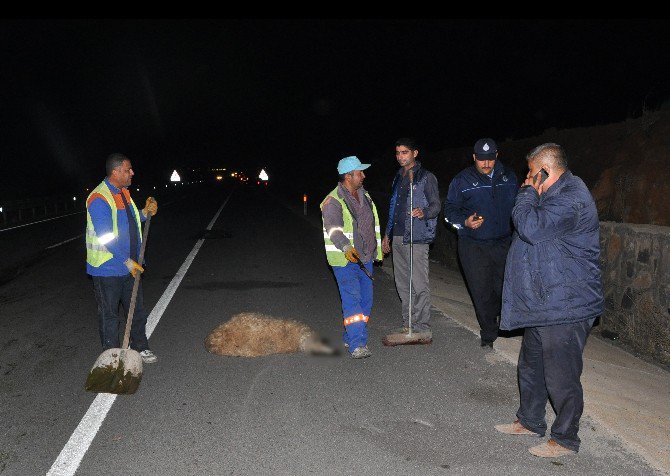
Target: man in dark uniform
{"x": 479, "y": 205}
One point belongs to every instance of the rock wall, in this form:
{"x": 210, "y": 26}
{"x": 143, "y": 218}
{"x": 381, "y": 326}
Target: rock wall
{"x": 635, "y": 261}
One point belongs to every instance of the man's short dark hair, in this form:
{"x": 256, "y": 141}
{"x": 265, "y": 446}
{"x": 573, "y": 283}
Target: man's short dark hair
{"x": 342, "y": 176}
{"x": 407, "y": 142}
{"x": 113, "y": 161}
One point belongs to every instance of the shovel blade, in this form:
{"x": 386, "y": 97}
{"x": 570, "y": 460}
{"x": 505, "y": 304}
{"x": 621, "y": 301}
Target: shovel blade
{"x": 116, "y": 371}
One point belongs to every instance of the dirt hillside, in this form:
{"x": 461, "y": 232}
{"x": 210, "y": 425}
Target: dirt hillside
{"x": 625, "y": 165}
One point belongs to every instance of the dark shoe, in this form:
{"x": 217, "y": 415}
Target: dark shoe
{"x": 515, "y": 428}
{"x": 550, "y": 449}
{"x": 486, "y": 343}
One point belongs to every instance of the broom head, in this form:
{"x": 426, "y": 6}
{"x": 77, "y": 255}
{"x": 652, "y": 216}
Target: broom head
{"x": 406, "y": 339}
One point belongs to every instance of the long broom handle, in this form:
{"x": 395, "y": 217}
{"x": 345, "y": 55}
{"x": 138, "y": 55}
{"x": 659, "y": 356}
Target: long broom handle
{"x": 411, "y": 242}
{"x": 136, "y": 285}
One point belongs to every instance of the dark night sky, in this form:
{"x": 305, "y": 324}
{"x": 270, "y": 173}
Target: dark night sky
{"x": 292, "y": 95}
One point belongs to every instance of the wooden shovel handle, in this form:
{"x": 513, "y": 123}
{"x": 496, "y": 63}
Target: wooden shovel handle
{"x": 136, "y": 285}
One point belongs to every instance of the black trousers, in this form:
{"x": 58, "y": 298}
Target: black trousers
{"x": 550, "y": 367}
{"x": 484, "y": 268}
{"x": 110, "y": 291}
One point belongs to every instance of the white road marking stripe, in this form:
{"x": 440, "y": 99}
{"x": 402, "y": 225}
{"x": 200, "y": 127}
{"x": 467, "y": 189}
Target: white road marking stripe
{"x": 41, "y": 221}
{"x": 71, "y": 455}
{"x": 63, "y": 242}
{"x": 74, "y": 450}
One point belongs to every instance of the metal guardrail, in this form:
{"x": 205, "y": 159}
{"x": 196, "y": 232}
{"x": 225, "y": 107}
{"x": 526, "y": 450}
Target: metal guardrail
{"x": 23, "y": 211}
{"x": 15, "y": 212}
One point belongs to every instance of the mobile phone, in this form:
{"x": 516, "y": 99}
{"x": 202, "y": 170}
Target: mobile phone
{"x": 544, "y": 175}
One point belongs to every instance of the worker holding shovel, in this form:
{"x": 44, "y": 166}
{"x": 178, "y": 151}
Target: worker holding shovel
{"x": 113, "y": 243}
{"x": 352, "y": 239}
{"x": 414, "y": 207}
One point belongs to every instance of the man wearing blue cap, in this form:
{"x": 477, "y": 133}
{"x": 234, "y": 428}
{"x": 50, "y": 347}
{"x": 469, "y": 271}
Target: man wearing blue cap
{"x": 352, "y": 240}
{"x": 479, "y": 205}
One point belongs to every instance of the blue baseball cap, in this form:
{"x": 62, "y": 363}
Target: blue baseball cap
{"x": 349, "y": 164}
{"x": 485, "y": 149}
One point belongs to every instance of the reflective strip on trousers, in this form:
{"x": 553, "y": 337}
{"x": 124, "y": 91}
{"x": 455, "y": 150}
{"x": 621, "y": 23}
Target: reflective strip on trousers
{"x": 355, "y": 318}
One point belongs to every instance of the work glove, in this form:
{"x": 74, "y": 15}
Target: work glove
{"x": 351, "y": 254}
{"x": 133, "y": 267}
{"x": 151, "y": 207}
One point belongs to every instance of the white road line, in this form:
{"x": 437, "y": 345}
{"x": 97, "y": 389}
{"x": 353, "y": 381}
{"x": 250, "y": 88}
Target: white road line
{"x": 162, "y": 304}
{"x": 41, "y": 221}
{"x": 74, "y": 450}
{"x": 63, "y": 242}
{"x": 71, "y": 455}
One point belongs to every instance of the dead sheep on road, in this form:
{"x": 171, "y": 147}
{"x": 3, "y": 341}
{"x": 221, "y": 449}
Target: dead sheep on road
{"x": 251, "y": 334}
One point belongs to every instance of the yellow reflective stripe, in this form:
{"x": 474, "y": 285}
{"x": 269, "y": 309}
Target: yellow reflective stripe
{"x": 355, "y": 318}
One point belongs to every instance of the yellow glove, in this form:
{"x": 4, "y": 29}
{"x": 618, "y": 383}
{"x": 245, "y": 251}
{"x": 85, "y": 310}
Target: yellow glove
{"x": 151, "y": 207}
{"x": 351, "y": 254}
{"x": 133, "y": 266}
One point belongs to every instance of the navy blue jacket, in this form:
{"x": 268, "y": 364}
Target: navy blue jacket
{"x": 425, "y": 195}
{"x": 552, "y": 274}
{"x": 492, "y": 198}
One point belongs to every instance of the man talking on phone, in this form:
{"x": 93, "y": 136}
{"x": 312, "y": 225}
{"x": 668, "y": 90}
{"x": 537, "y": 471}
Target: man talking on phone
{"x": 553, "y": 291}
{"x": 479, "y": 205}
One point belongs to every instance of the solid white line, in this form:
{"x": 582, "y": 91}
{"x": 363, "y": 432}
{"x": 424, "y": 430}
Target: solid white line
{"x": 63, "y": 242}
{"x": 74, "y": 450}
{"x": 69, "y": 458}
{"x": 162, "y": 304}
{"x": 41, "y": 221}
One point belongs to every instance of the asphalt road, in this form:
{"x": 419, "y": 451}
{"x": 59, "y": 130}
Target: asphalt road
{"x": 405, "y": 410}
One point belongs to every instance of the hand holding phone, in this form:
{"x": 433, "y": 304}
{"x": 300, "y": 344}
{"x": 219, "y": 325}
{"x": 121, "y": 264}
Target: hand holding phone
{"x": 474, "y": 221}
{"x": 542, "y": 175}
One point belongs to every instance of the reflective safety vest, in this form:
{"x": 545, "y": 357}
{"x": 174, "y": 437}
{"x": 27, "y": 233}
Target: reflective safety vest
{"x": 333, "y": 253}
{"x": 96, "y": 252}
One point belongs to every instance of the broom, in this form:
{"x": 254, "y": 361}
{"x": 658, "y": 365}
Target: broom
{"x": 117, "y": 370}
{"x": 410, "y": 338}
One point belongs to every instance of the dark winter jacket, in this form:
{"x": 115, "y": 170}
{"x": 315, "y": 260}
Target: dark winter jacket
{"x": 493, "y": 198}
{"x": 552, "y": 274}
{"x": 425, "y": 195}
